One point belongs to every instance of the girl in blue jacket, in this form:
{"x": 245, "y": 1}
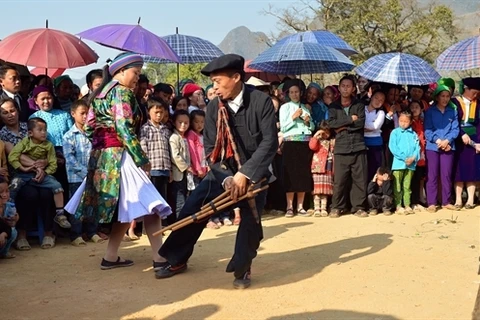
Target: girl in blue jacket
{"x": 405, "y": 147}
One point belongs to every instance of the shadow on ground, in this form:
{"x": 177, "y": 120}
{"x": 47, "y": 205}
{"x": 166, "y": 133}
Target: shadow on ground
{"x": 127, "y": 291}
{"x": 335, "y": 314}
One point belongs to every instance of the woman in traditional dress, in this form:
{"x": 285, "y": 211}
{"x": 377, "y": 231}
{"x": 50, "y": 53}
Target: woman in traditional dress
{"x": 441, "y": 130}
{"x": 466, "y": 157}
{"x": 297, "y": 125}
{"x": 115, "y": 189}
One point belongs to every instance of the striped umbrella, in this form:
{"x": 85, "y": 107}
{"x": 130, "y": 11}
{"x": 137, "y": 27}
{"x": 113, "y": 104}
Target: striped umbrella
{"x": 301, "y": 58}
{"x": 398, "y": 68}
{"x": 464, "y": 55}
{"x": 189, "y": 49}
{"x": 323, "y": 37}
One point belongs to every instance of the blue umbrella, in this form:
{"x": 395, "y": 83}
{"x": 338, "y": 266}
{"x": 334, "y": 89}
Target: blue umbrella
{"x": 322, "y": 37}
{"x": 398, "y": 68}
{"x": 301, "y": 58}
{"x": 189, "y": 49}
{"x": 464, "y": 55}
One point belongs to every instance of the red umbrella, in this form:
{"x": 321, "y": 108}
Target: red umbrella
{"x": 46, "y": 48}
{"x": 52, "y": 73}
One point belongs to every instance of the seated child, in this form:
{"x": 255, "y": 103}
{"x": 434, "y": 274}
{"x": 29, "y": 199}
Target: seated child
{"x": 380, "y": 193}
{"x": 8, "y": 219}
{"x": 58, "y": 123}
{"x": 37, "y": 147}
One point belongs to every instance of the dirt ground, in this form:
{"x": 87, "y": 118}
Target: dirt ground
{"x": 412, "y": 267}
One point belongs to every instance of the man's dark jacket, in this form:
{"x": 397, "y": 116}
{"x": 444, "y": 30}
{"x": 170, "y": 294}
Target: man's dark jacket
{"x": 255, "y": 133}
{"x": 351, "y": 139}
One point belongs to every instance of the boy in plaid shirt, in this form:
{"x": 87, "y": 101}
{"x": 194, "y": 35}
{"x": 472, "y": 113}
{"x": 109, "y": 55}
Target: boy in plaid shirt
{"x": 76, "y": 150}
{"x": 154, "y": 140}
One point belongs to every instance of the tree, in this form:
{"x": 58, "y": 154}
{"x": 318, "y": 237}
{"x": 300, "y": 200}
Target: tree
{"x": 167, "y": 73}
{"x": 375, "y": 26}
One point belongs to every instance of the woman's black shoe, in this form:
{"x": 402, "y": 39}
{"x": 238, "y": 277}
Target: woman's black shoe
{"x": 107, "y": 265}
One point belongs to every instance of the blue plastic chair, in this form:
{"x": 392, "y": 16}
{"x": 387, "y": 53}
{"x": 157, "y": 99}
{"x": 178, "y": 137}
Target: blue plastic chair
{"x": 40, "y": 233}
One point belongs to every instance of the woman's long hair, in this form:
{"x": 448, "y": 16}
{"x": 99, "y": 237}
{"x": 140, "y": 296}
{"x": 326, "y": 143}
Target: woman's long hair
{"x": 106, "y": 79}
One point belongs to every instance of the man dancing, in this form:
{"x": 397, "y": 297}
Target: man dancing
{"x": 250, "y": 117}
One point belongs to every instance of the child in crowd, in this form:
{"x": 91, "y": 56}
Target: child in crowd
{"x": 154, "y": 139}
{"x": 8, "y": 219}
{"x": 76, "y": 149}
{"x": 36, "y": 147}
{"x": 180, "y": 158}
{"x": 374, "y": 119}
{"x": 180, "y": 103}
{"x": 418, "y": 179}
{"x": 322, "y": 168}
{"x": 195, "y": 144}
{"x": 405, "y": 149}
{"x": 380, "y": 193}
{"x": 163, "y": 91}
{"x": 58, "y": 122}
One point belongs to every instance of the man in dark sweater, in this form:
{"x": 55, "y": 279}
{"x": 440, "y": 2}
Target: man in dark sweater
{"x": 380, "y": 193}
{"x": 251, "y": 118}
{"x": 346, "y": 117}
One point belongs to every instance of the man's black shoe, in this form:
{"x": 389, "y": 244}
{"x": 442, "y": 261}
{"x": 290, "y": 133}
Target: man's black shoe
{"x": 243, "y": 282}
{"x": 159, "y": 265}
{"x": 169, "y": 271}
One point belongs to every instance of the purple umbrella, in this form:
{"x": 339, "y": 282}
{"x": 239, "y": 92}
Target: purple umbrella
{"x": 133, "y": 38}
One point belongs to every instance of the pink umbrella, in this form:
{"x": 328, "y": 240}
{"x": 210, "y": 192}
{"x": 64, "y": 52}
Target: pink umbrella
{"x": 46, "y": 48}
{"x": 52, "y": 73}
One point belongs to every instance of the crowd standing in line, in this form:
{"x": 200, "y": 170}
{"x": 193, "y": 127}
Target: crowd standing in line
{"x": 359, "y": 146}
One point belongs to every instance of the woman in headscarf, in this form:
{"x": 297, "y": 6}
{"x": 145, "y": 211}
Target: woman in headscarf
{"x": 297, "y": 126}
{"x": 63, "y": 86}
{"x": 116, "y": 189}
{"x": 318, "y": 109}
{"x": 40, "y": 80}
{"x": 210, "y": 92}
{"x": 466, "y": 172}
{"x": 441, "y": 130}
{"x": 196, "y": 96}
{"x": 330, "y": 94}
{"x": 181, "y": 85}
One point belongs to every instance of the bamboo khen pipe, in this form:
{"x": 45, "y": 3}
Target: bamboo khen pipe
{"x": 224, "y": 201}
